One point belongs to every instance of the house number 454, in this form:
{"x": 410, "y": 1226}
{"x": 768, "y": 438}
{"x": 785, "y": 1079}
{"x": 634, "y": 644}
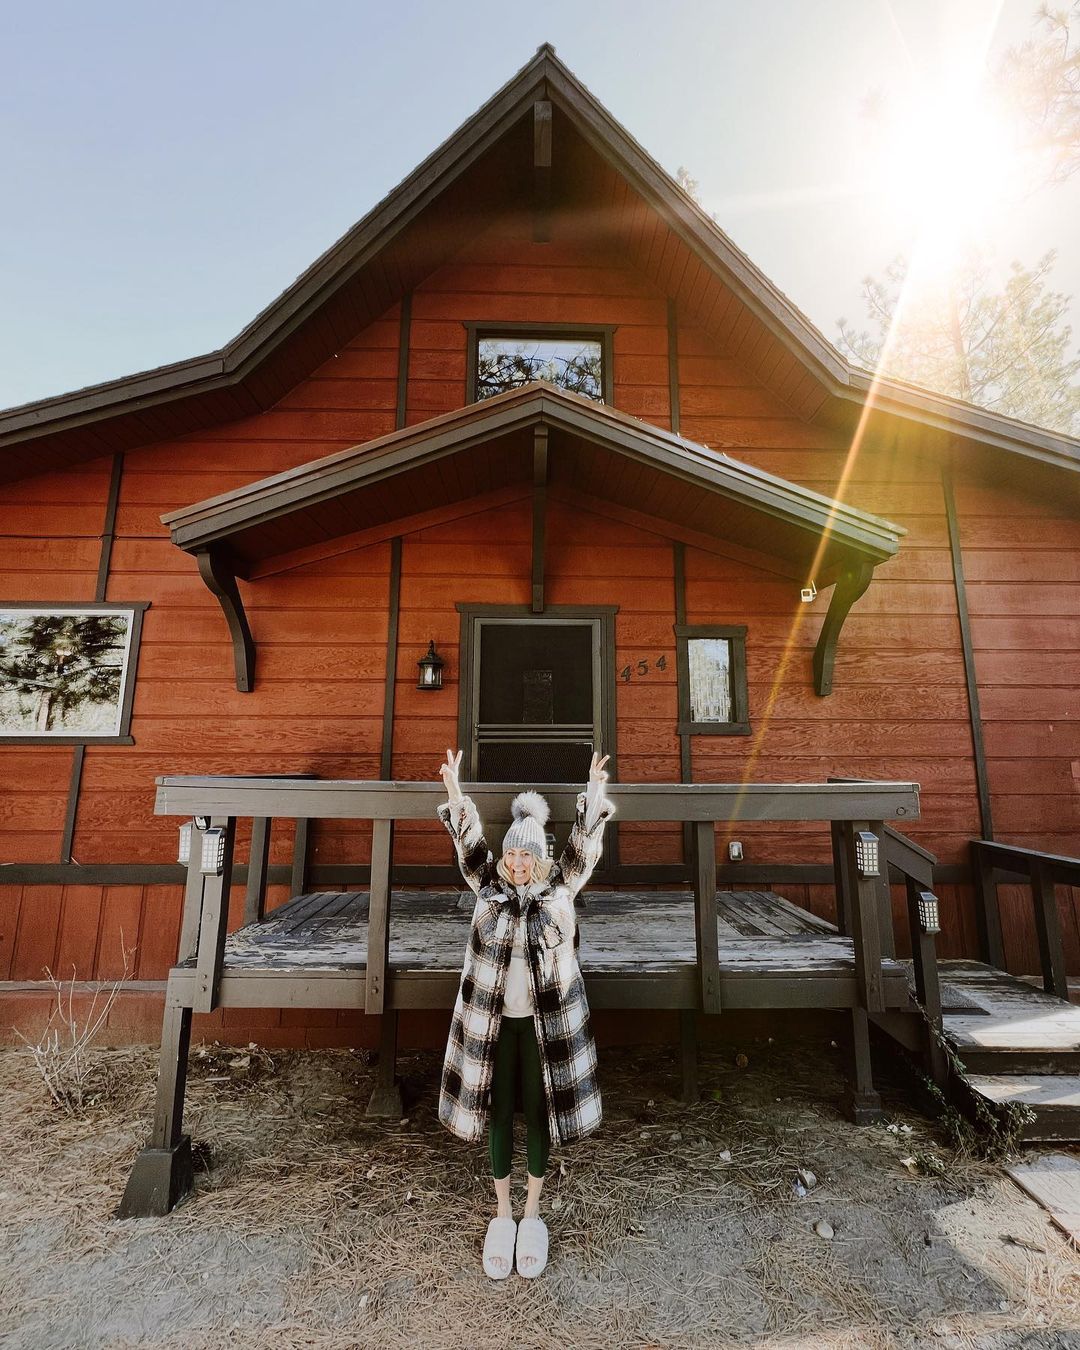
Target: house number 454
{"x": 642, "y": 668}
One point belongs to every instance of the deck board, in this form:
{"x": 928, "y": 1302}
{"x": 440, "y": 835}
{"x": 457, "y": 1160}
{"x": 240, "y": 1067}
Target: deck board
{"x": 1014, "y": 1015}
{"x": 638, "y": 932}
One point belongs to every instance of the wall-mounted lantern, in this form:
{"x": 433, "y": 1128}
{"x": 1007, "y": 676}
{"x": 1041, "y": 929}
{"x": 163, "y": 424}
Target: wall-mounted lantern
{"x": 431, "y": 668}
{"x": 866, "y": 854}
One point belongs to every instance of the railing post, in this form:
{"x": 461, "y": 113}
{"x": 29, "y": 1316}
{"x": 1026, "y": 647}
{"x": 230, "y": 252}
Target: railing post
{"x": 987, "y": 908}
{"x": 841, "y": 880}
{"x": 298, "y": 881}
{"x": 1048, "y": 929}
{"x": 866, "y": 938}
{"x": 705, "y": 925}
{"x": 885, "y": 914}
{"x": 378, "y": 946}
{"x": 215, "y": 922}
{"x": 927, "y": 986}
{"x": 258, "y": 861}
{"x": 193, "y": 898}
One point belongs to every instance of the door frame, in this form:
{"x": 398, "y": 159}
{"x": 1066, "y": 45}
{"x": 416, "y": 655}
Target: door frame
{"x": 602, "y": 618}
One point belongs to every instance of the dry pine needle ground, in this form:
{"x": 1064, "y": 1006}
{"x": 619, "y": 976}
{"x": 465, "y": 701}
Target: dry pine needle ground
{"x": 673, "y": 1225}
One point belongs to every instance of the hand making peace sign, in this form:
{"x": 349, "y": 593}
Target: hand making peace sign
{"x": 449, "y": 772}
{"x": 597, "y": 773}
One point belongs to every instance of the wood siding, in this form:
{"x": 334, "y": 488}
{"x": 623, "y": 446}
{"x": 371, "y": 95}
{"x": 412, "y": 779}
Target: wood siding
{"x": 899, "y": 709}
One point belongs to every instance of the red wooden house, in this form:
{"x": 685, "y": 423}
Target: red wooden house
{"x": 537, "y": 414}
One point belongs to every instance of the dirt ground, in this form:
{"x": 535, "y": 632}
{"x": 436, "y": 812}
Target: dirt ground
{"x": 673, "y": 1225}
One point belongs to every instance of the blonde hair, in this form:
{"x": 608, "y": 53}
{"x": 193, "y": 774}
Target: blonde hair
{"x": 541, "y": 869}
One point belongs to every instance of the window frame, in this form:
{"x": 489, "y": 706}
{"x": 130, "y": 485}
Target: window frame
{"x": 137, "y": 609}
{"x": 599, "y": 332}
{"x": 740, "y": 698}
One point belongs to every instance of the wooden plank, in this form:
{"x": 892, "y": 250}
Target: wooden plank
{"x": 705, "y": 914}
{"x": 1053, "y": 1181}
{"x": 357, "y": 800}
{"x": 258, "y": 861}
{"x": 1048, "y": 930}
{"x": 213, "y": 925}
{"x": 378, "y": 955}
{"x": 864, "y": 922}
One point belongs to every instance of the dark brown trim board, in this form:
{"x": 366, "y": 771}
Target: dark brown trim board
{"x": 673, "y": 364}
{"x": 404, "y": 340}
{"x": 982, "y": 780}
{"x": 386, "y": 753}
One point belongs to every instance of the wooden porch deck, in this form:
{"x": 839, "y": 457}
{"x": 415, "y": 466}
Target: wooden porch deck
{"x": 637, "y": 948}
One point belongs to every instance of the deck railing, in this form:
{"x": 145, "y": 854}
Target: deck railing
{"x": 992, "y": 863}
{"x": 217, "y": 802}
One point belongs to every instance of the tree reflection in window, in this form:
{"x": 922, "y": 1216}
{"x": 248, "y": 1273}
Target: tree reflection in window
{"x": 509, "y": 362}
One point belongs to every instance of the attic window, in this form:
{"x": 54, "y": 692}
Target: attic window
{"x": 508, "y": 356}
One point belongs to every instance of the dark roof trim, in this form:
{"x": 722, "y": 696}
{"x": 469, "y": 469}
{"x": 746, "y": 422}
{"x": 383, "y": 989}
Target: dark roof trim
{"x": 544, "y": 76}
{"x": 217, "y": 518}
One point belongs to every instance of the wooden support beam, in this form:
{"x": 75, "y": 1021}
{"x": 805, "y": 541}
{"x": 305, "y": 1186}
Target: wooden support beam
{"x": 378, "y": 957}
{"x": 299, "y": 875}
{"x": 1048, "y": 930}
{"x": 404, "y": 337}
{"x": 978, "y": 750}
{"x": 706, "y": 930}
{"x": 541, "y": 171}
{"x": 987, "y": 907}
{"x": 841, "y": 880}
{"x": 539, "y": 516}
{"x": 214, "y": 923}
{"x": 865, "y": 934}
{"x": 849, "y": 586}
{"x": 688, "y": 1048}
{"x": 673, "y": 365}
{"x": 386, "y": 754}
{"x": 220, "y": 580}
{"x": 927, "y": 985}
{"x": 163, "y": 1173}
{"x": 258, "y": 863}
{"x": 193, "y": 898}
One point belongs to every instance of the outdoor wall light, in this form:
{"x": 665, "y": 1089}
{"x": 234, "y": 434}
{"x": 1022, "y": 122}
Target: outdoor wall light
{"x": 929, "y": 912}
{"x": 431, "y": 668}
{"x": 808, "y": 593}
{"x": 202, "y": 823}
{"x": 866, "y": 854}
{"x": 549, "y": 839}
{"x": 734, "y": 850}
{"x": 184, "y": 853}
{"x": 213, "y": 853}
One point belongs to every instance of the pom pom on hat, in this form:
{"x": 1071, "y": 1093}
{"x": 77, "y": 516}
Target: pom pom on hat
{"x": 530, "y": 804}
{"x": 530, "y": 813}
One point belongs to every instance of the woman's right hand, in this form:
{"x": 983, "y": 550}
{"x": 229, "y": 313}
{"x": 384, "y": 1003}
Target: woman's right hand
{"x": 449, "y": 772}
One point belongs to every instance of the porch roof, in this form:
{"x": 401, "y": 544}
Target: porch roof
{"x": 591, "y": 449}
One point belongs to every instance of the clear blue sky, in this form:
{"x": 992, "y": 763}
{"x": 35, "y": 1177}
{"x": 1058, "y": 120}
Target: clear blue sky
{"x": 167, "y": 169}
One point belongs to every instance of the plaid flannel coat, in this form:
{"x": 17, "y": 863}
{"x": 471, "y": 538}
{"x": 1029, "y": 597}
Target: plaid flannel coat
{"x": 560, "y": 1010}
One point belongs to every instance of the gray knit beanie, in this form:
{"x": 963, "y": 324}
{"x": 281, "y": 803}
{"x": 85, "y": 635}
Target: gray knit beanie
{"x": 530, "y": 813}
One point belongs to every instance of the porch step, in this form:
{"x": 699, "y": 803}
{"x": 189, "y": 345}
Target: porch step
{"x": 1055, "y": 1099}
{"x": 999, "y": 1024}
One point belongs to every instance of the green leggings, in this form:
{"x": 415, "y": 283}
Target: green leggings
{"x": 517, "y": 1041}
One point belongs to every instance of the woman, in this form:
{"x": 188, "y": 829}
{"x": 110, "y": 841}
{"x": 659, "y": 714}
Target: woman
{"x": 522, "y": 998}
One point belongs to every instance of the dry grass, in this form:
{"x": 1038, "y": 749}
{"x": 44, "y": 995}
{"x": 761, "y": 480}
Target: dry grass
{"x": 673, "y": 1225}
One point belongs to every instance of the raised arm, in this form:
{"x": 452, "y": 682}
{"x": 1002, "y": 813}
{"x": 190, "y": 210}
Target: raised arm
{"x": 458, "y": 813}
{"x": 583, "y": 847}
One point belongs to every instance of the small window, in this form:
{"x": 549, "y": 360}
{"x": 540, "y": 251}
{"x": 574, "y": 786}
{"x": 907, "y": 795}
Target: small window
{"x": 713, "y": 699}
{"x": 511, "y": 355}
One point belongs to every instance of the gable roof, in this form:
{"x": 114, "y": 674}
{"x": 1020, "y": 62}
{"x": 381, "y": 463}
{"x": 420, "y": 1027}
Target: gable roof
{"x": 478, "y": 170}
{"x": 594, "y": 449}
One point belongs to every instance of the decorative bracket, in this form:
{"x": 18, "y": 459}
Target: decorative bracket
{"x": 849, "y": 587}
{"x": 541, "y": 171}
{"x": 220, "y": 580}
{"x": 539, "y": 521}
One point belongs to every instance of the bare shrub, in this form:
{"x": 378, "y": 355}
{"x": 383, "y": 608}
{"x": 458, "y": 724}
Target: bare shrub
{"x": 76, "y": 1079}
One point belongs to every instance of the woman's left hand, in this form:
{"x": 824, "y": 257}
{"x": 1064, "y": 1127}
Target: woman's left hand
{"x": 597, "y": 772}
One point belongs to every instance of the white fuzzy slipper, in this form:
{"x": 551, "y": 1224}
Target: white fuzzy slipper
{"x": 532, "y": 1240}
{"x": 499, "y": 1242}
